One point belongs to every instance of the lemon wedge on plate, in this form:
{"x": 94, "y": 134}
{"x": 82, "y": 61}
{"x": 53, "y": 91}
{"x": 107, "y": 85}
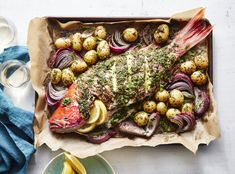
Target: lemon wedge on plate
{"x": 67, "y": 168}
{"x": 75, "y": 163}
{"x": 94, "y": 113}
{"x": 86, "y": 128}
{"x": 103, "y": 114}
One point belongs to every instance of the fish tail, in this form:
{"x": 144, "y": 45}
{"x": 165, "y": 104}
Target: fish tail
{"x": 194, "y": 32}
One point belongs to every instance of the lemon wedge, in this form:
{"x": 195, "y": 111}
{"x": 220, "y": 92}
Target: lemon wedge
{"x": 67, "y": 168}
{"x": 75, "y": 163}
{"x": 103, "y": 114}
{"x": 94, "y": 113}
{"x": 86, "y": 128}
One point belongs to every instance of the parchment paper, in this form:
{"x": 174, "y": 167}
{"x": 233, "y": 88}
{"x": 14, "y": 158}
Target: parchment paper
{"x": 40, "y": 42}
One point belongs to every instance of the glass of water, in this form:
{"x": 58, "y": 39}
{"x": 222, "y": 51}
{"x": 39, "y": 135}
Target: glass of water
{"x": 14, "y": 73}
{"x": 7, "y": 33}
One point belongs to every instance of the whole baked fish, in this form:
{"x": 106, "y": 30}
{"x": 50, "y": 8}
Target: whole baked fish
{"x": 124, "y": 80}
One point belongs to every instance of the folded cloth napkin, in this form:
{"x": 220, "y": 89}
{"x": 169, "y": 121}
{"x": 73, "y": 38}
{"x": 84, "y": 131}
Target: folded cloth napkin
{"x": 16, "y": 133}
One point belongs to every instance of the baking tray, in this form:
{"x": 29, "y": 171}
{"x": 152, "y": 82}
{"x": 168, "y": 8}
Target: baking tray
{"x": 209, "y": 41}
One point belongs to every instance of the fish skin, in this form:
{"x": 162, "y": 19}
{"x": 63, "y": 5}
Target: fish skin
{"x": 126, "y": 79}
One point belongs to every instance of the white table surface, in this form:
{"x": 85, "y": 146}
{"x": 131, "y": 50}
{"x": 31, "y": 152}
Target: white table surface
{"x": 219, "y": 156}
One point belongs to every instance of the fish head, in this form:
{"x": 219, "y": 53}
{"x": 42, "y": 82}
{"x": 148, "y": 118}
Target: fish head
{"x": 67, "y": 116}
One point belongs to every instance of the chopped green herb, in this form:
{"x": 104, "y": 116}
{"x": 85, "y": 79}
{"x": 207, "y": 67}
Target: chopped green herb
{"x": 66, "y": 101}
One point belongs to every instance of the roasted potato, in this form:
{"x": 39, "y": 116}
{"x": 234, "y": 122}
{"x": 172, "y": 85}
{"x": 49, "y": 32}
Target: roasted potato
{"x": 100, "y": 32}
{"x": 161, "y": 35}
{"x": 176, "y": 98}
{"x": 172, "y": 112}
{"x": 55, "y": 75}
{"x": 141, "y": 118}
{"x": 89, "y": 43}
{"x": 77, "y": 42}
{"x": 78, "y": 66}
{"x": 103, "y": 49}
{"x": 188, "y": 67}
{"x": 130, "y": 34}
{"x": 62, "y": 43}
{"x": 199, "y": 78}
{"x": 201, "y": 62}
{"x": 161, "y": 108}
{"x": 187, "y": 107}
{"x": 67, "y": 77}
{"x": 149, "y": 106}
{"x": 90, "y": 57}
{"x": 162, "y": 96}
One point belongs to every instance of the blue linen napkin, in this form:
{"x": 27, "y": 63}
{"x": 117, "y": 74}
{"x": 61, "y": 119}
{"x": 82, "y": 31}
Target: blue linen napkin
{"x": 16, "y": 132}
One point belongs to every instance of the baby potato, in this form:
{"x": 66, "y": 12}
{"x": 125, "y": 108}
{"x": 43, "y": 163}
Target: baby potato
{"x": 103, "y": 49}
{"x": 89, "y": 43}
{"x": 161, "y": 35}
{"x": 201, "y": 62}
{"x": 55, "y": 75}
{"x": 161, "y": 108}
{"x": 78, "y": 66}
{"x": 141, "y": 118}
{"x": 199, "y": 78}
{"x": 187, "y": 107}
{"x": 172, "y": 112}
{"x": 188, "y": 67}
{"x": 67, "y": 77}
{"x": 77, "y": 42}
{"x": 162, "y": 95}
{"x": 149, "y": 106}
{"x": 90, "y": 57}
{"x": 130, "y": 34}
{"x": 62, "y": 43}
{"x": 176, "y": 98}
{"x": 100, "y": 32}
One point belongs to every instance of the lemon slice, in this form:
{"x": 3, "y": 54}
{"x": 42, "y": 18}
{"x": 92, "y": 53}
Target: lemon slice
{"x": 75, "y": 163}
{"x": 86, "y": 128}
{"x": 67, "y": 168}
{"x": 94, "y": 113}
{"x": 103, "y": 114}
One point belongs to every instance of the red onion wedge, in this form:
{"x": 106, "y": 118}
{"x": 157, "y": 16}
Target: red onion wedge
{"x": 50, "y": 101}
{"x": 184, "y": 121}
{"x": 98, "y": 138}
{"x": 54, "y": 94}
{"x": 63, "y": 58}
{"x": 188, "y": 95}
{"x": 116, "y": 43}
{"x": 180, "y": 85}
{"x": 153, "y": 123}
{"x": 183, "y": 83}
{"x": 189, "y": 120}
{"x": 130, "y": 127}
{"x": 88, "y": 32}
{"x": 118, "y": 39}
{"x": 202, "y": 102}
{"x": 147, "y": 35}
{"x": 183, "y": 77}
{"x": 54, "y": 58}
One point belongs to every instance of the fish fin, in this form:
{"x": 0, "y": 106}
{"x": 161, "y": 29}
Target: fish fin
{"x": 194, "y": 32}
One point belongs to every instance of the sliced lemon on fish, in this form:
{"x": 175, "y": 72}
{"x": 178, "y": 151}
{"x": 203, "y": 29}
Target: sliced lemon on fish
{"x": 67, "y": 168}
{"x": 75, "y": 163}
{"x": 86, "y": 128}
{"x": 94, "y": 113}
{"x": 103, "y": 114}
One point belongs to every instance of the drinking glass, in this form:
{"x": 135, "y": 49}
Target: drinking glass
{"x": 7, "y": 33}
{"x": 14, "y": 73}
